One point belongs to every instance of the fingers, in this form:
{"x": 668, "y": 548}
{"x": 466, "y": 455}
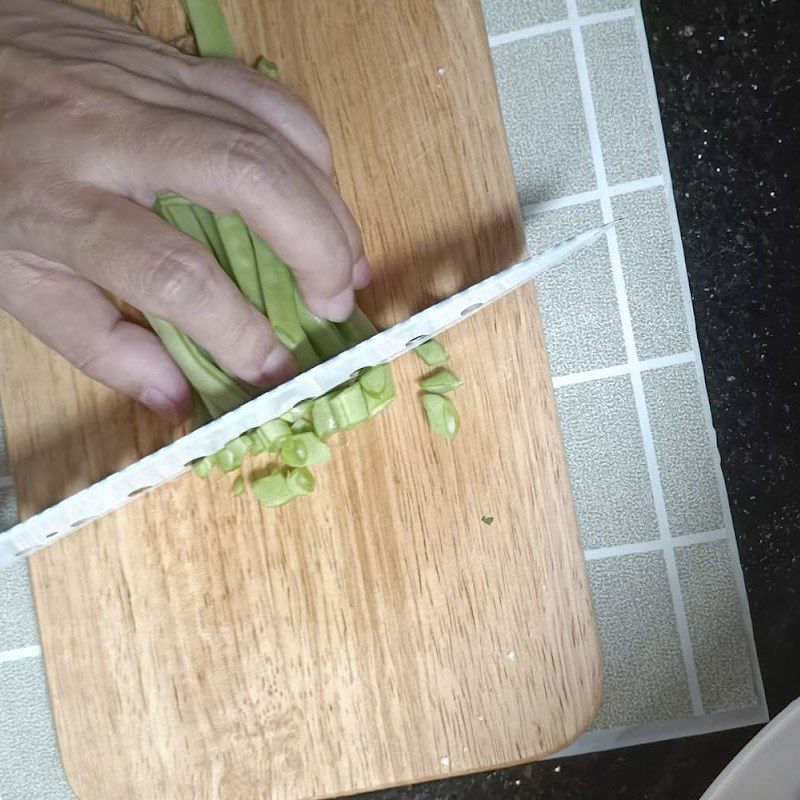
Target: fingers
{"x": 267, "y": 100}
{"x": 132, "y": 253}
{"x": 279, "y": 193}
{"x": 73, "y": 317}
{"x": 124, "y": 54}
{"x": 236, "y": 141}
{"x": 208, "y": 95}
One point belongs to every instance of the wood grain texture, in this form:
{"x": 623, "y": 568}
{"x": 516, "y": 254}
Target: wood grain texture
{"x": 377, "y": 633}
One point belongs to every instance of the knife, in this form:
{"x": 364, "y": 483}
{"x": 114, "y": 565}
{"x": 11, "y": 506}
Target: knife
{"x": 118, "y": 489}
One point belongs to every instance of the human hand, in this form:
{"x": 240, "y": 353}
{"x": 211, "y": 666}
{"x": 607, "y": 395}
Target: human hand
{"x": 96, "y": 119}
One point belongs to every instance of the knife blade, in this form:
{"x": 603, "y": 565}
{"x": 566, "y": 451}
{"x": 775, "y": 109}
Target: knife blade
{"x": 101, "y": 498}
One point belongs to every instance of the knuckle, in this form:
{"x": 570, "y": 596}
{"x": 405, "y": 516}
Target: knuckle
{"x": 89, "y": 354}
{"x": 181, "y": 277}
{"x": 249, "y": 343}
{"x": 255, "y": 161}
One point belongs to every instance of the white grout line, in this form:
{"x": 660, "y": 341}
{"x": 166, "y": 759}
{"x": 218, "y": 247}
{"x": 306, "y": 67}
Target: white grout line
{"x": 639, "y": 185}
{"x": 667, "y": 361}
{"x": 6, "y": 481}
{"x": 532, "y": 209}
{"x": 526, "y": 33}
{"x": 630, "y": 347}
{"x": 601, "y": 16}
{"x": 652, "y": 545}
{"x": 627, "y": 187}
{"x": 560, "y": 381}
{"x": 559, "y": 25}
{"x": 683, "y": 275}
{"x": 34, "y": 651}
{"x": 622, "y": 369}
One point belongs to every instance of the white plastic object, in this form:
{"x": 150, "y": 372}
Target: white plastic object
{"x": 768, "y": 768}
{"x": 103, "y": 497}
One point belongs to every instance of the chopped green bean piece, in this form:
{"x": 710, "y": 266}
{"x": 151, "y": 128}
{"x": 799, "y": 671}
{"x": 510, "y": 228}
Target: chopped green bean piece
{"x": 301, "y": 411}
{"x": 377, "y": 404}
{"x": 322, "y": 418}
{"x": 432, "y": 353}
{"x": 294, "y": 451}
{"x": 375, "y": 381}
{"x": 241, "y": 444}
{"x": 232, "y": 455}
{"x": 272, "y": 434}
{"x": 442, "y": 415}
{"x": 272, "y": 490}
{"x": 302, "y": 426}
{"x": 227, "y": 460}
{"x": 349, "y": 406}
{"x": 203, "y": 466}
{"x": 300, "y": 481}
{"x": 378, "y": 387}
{"x": 441, "y": 382}
{"x": 266, "y": 67}
{"x": 302, "y": 449}
{"x": 258, "y": 443}
{"x": 238, "y": 487}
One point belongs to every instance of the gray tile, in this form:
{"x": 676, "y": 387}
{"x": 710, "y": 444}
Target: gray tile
{"x": 577, "y": 300}
{"x": 652, "y": 274}
{"x": 503, "y": 16}
{"x": 8, "y": 508}
{"x": 686, "y": 457}
{"x": 645, "y": 677}
{"x": 605, "y": 455}
{"x": 716, "y": 631}
{"x": 621, "y": 101}
{"x": 599, "y": 6}
{"x": 29, "y": 759}
{"x": 17, "y": 617}
{"x": 540, "y": 96}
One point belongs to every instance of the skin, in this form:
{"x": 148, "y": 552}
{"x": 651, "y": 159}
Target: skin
{"x": 96, "y": 119}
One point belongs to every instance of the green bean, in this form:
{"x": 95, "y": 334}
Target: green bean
{"x": 441, "y": 382}
{"x": 238, "y": 248}
{"x": 432, "y": 353}
{"x": 442, "y": 415}
{"x": 210, "y": 29}
{"x": 349, "y": 406}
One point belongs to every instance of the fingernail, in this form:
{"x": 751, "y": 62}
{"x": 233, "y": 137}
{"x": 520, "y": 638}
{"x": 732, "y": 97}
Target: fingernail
{"x": 161, "y": 404}
{"x": 278, "y": 367}
{"x": 339, "y": 307}
{"x": 362, "y": 273}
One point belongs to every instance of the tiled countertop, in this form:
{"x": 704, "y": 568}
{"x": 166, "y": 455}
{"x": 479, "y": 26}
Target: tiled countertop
{"x": 726, "y": 88}
{"x": 726, "y": 77}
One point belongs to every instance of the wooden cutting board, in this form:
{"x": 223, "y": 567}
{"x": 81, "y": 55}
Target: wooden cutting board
{"x": 379, "y": 632}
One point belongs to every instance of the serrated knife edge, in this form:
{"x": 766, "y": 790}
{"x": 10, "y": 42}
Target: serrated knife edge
{"x": 149, "y": 472}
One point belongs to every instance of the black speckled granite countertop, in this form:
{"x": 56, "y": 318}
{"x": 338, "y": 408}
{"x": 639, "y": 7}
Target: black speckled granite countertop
{"x": 728, "y": 79}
